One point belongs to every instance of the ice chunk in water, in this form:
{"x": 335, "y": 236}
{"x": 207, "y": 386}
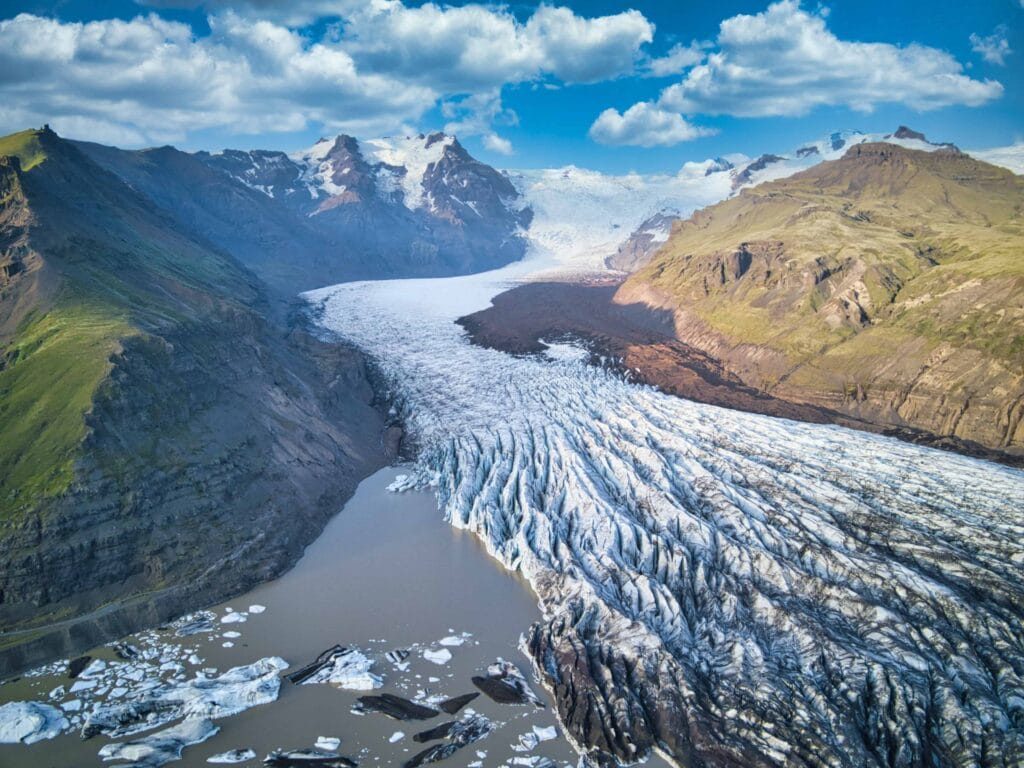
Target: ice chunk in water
{"x": 29, "y": 721}
{"x": 163, "y": 746}
{"x": 441, "y": 656}
{"x": 349, "y": 670}
{"x": 234, "y": 756}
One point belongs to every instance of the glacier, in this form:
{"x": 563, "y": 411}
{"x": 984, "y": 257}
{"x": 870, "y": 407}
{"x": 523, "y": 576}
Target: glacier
{"x": 723, "y": 588}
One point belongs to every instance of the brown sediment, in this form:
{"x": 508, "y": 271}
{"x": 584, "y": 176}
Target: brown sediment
{"x": 638, "y": 339}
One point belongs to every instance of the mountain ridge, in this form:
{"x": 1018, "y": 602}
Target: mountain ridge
{"x": 884, "y": 285}
{"x": 342, "y": 210}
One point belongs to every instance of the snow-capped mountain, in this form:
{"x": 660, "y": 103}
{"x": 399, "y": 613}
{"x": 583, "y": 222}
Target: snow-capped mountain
{"x": 420, "y": 202}
{"x": 583, "y": 216}
{"x": 429, "y": 173}
{"x": 714, "y": 180}
{"x": 769, "y": 167}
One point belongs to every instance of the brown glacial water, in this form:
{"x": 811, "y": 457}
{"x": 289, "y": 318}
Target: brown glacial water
{"x": 387, "y": 573}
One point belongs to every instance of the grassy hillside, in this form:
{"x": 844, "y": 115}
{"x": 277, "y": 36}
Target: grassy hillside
{"x": 163, "y": 442}
{"x": 26, "y": 146}
{"x": 114, "y": 271}
{"x": 872, "y": 283}
{"x": 52, "y": 371}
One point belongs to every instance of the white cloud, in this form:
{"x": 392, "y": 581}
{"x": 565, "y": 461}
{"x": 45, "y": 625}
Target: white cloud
{"x": 678, "y": 59}
{"x": 644, "y": 125}
{"x": 470, "y": 47}
{"x": 153, "y": 79}
{"x": 383, "y": 66}
{"x": 290, "y": 13}
{"x": 496, "y": 143}
{"x": 579, "y": 50}
{"x": 995, "y": 47}
{"x": 785, "y": 61}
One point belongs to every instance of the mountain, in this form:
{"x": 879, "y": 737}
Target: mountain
{"x": 164, "y": 443}
{"x": 341, "y": 210}
{"x": 735, "y": 172}
{"x": 887, "y": 285}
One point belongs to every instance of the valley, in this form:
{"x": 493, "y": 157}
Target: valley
{"x": 743, "y": 585}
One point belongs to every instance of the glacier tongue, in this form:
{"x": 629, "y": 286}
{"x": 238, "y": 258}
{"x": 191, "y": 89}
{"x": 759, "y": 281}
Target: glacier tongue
{"x": 730, "y": 588}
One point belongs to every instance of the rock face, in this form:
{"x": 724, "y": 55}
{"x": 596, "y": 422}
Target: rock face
{"x": 640, "y": 247}
{"x": 885, "y": 286}
{"x": 165, "y": 443}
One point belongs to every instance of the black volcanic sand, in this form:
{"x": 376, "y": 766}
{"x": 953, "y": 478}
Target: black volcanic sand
{"x": 640, "y": 340}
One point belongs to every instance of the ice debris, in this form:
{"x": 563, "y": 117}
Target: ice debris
{"x": 232, "y": 756}
{"x": 350, "y": 670}
{"x": 505, "y": 684}
{"x": 163, "y": 746}
{"x": 439, "y": 657}
{"x": 27, "y": 722}
{"x": 237, "y": 690}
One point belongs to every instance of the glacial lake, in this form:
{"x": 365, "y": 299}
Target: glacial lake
{"x": 387, "y": 573}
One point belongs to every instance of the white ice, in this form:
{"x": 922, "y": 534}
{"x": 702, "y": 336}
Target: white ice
{"x": 233, "y": 756}
{"x": 350, "y": 670}
{"x": 439, "y": 656}
{"x": 29, "y": 721}
{"x": 163, "y": 746}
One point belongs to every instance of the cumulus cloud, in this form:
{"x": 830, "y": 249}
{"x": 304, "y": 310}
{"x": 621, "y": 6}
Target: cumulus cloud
{"x": 678, "y": 59}
{"x": 995, "y": 47}
{"x": 644, "y": 125}
{"x": 785, "y": 61}
{"x": 496, "y": 143}
{"x": 153, "y": 79}
{"x": 382, "y": 66}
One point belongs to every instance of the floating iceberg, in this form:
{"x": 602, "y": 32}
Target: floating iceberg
{"x": 233, "y": 756}
{"x": 27, "y": 722}
{"x": 237, "y": 690}
{"x": 163, "y": 746}
{"x": 439, "y": 657}
{"x": 349, "y": 670}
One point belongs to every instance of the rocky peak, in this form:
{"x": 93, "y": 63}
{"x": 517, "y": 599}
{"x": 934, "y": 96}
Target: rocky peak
{"x": 747, "y": 174}
{"x": 270, "y": 172}
{"x": 906, "y": 133}
{"x": 458, "y": 187}
{"x": 718, "y": 165}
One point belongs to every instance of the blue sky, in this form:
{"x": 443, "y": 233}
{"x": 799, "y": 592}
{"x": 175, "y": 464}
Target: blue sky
{"x": 639, "y": 86}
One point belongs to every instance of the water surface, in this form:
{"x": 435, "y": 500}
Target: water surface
{"x": 386, "y": 573}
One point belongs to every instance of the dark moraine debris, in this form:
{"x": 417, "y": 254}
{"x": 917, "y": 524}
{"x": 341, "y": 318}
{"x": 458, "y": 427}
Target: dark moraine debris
{"x": 306, "y": 758}
{"x": 126, "y": 651}
{"x": 396, "y": 707}
{"x": 118, "y": 719}
{"x": 397, "y": 656}
{"x": 453, "y": 705}
{"x": 75, "y": 666}
{"x": 324, "y": 659}
{"x": 459, "y": 735}
{"x": 194, "y": 623}
{"x": 505, "y": 684}
{"x": 433, "y": 734}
